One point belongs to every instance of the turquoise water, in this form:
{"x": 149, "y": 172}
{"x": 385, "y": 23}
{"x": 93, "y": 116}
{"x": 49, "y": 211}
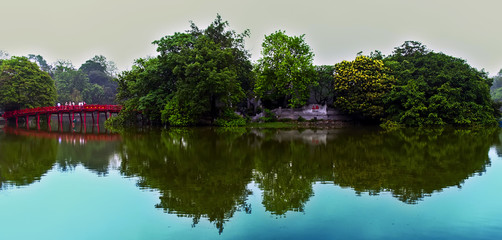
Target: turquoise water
{"x": 251, "y": 184}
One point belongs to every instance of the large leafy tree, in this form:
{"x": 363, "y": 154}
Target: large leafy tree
{"x": 437, "y": 89}
{"x": 24, "y": 85}
{"x": 198, "y": 77}
{"x": 285, "y": 70}
{"x": 74, "y": 86}
{"x": 209, "y": 67}
{"x": 360, "y": 86}
{"x": 100, "y": 71}
{"x": 144, "y": 88}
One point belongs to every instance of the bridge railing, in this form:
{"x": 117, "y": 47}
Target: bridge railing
{"x": 66, "y": 108}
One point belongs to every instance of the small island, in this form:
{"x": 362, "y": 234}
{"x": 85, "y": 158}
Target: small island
{"x": 205, "y": 77}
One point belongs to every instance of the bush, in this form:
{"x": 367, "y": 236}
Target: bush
{"x": 301, "y": 119}
{"x": 269, "y": 116}
{"x": 176, "y": 115}
{"x": 230, "y": 119}
{"x": 390, "y": 125}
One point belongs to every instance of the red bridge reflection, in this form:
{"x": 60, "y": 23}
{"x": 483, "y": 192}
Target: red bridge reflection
{"x": 68, "y": 137}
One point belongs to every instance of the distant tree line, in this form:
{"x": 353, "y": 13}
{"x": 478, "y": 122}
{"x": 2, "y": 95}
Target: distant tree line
{"x": 205, "y": 76}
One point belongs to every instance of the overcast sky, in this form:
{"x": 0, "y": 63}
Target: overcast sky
{"x": 122, "y": 30}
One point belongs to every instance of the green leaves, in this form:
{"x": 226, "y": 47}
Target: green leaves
{"x": 198, "y": 76}
{"x": 414, "y": 87}
{"x": 360, "y": 87}
{"x": 285, "y": 69}
{"x": 24, "y": 85}
{"x": 92, "y": 82}
{"x": 437, "y": 89}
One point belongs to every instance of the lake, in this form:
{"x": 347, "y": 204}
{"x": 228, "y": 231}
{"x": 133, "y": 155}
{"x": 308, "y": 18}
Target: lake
{"x": 238, "y": 183}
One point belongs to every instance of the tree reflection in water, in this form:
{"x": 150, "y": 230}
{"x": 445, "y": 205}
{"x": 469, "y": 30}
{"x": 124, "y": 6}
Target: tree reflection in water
{"x": 27, "y": 155}
{"x": 204, "y": 172}
{"x": 199, "y": 173}
{"x": 410, "y": 163}
{"x": 25, "y": 159}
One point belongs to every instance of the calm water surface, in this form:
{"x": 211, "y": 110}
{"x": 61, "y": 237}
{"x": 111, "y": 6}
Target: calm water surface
{"x": 208, "y": 183}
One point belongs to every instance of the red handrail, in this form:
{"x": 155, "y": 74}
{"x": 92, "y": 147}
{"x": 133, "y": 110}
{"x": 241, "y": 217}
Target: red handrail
{"x": 66, "y": 108}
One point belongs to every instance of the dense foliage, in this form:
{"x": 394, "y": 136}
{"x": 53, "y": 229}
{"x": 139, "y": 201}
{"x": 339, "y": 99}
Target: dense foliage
{"x": 322, "y": 92}
{"x": 361, "y": 85}
{"x": 437, "y": 89}
{"x": 144, "y": 89}
{"x": 204, "y": 76}
{"x": 24, "y": 85}
{"x": 415, "y": 87}
{"x": 285, "y": 69}
{"x": 197, "y": 77}
{"x": 73, "y": 85}
{"x": 101, "y": 74}
{"x": 91, "y": 83}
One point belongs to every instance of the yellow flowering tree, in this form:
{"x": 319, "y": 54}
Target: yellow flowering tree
{"x": 360, "y": 86}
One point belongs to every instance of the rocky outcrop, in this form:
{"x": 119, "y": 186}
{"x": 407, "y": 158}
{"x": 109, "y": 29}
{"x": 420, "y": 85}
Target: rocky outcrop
{"x": 309, "y": 112}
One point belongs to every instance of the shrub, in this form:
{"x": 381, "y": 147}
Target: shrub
{"x": 301, "y": 119}
{"x": 269, "y": 116}
{"x": 230, "y": 119}
{"x": 390, "y": 125}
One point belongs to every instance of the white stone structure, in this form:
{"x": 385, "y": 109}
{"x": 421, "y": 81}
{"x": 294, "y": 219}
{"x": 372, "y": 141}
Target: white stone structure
{"x": 309, "y": 112}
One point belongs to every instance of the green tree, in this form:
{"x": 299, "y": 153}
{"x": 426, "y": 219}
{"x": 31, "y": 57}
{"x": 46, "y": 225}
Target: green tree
{"x": 437, "y": 89}
{"x": 100, "y": 71}
{"x": 24, "y": 85}
{"x": 73, "y": 85}
{"x": 323, "y": 92}
{"x": 361, "y": 85}
{"x": 285, "y": 69}
{"x": 44, "y": 66}
{"x": 146, "y": 88}
{"x": 198, "y": 76}
{"x": 209, "y": 67}
{"x": 410, "y": 48}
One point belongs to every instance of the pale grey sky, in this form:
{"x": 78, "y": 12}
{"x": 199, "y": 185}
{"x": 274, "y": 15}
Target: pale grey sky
{"x": 122, "y": 30}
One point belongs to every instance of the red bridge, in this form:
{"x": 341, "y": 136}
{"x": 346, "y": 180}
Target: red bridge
{"x": 70, "y": 110}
